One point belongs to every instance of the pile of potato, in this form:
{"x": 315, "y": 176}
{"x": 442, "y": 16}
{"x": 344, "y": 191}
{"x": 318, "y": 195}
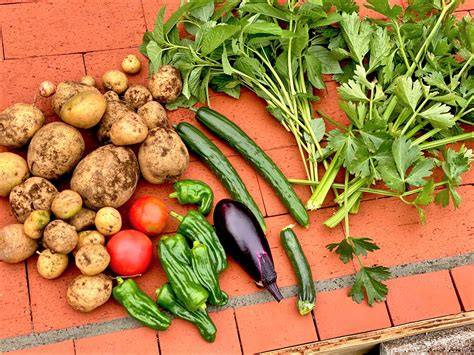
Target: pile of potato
{"x": 73, "y": 223}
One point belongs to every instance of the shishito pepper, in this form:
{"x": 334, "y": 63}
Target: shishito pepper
{"x": 195, "y": 227}
{"x": 139, "y": 305}
{"x": 175, "y": 257}
{"x": 207, "y": 274}
{"x": 195, "y": 192}
{"x": 168, "y": 300}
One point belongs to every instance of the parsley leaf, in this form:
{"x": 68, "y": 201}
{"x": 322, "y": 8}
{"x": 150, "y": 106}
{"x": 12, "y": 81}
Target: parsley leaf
{"x": 369, "y": 279}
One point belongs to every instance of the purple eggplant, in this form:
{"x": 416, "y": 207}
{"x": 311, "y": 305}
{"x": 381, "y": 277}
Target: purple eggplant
{"x": 243, "y": 238}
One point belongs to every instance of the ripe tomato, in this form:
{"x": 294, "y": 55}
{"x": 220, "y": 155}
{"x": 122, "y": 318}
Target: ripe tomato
{"x": 130, "y": 252}
{"x": 149, "y": 215}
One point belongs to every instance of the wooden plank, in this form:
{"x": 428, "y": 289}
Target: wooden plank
{"x": 354, "y": 344}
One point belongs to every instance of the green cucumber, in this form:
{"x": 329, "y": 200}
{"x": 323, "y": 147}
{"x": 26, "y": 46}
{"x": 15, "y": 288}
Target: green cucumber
{"x": 242, "y": 143}
{"x": 306, "y": 292}
{"x": 199, "y": 144}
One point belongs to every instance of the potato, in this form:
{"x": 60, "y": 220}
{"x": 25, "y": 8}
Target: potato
{"x": 92, "y": 259}
{"x": 51, "y": 265}
{"x": 33, "y": 194}
{"x": 88, "y": 80}
{"x": 86, "y": 293}
{"x": 18, "y": 123}
{"x": 115, "y": 80}
{"x": 111, "y": 96}
{"x": 84, "y": 110}
{"x": 137, "y": 96}
{"x": 65, "y": 91}
{"x": 13, "y": 171}
{"x": 84, "y": 219}
{"x": 153, "y": 114}
{"x": 89, "y": 237}
{"x": 15, "y": 246}
{"x": 108, "y": 221}
{"x": 131, "y": 64}
{"x": 60, "y": 237}
{"x": 55, "y": 150}
{"x": 115, "y": 111}
{"x": 47, "y": 88}
{"x": 129, "y": 130}
{"x": 162, "y": 156}
{"x": 165, "y": 85}
{"x": 66, "y": 204}
{"x": 106, "y": 177}
{"x": 35, "y": 223}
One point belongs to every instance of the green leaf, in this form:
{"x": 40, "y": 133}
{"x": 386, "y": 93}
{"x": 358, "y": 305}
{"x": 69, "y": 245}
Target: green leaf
{"x": 369, "y": 279}
{"x": 380, "y": 48}
{"x": 318, "y": 127}
{"x": 421, "y": 170}
{"x": 227, "y": 84}
{"x": 225, "y": 9}
{"x": 314, "y": 71}
{"x": 267, "y": 10}
{"x": 391, "y": 176}
{"x": 360, "y": 164}
{"x": 176, "y": 16}
{"x": 404, "y": 155}
{"x": 442, "y": 198}
{"x": 203, "y": 12}
{"x": 263, "y": 27}
{"x": 425, "y": 196}
{"x": 439, "y": 116}
{"x": 250, "y": 66}
{"x": 158, "y": 30}
{"x": 154, "y": 53}
{"x": 226, "y": 67}
{"x": 343, "y": 249}
{"x": 181, "y": 101}
{"x": 347, "y": 6}
{"x": 407, "y": 91}
{"x": 456, "y": 163}
{"x": 352, "y": 91}
{"x": 383, "y": 7}
{"x": 329, "y": 64}
{"x": 216, "y": 36}
{"x": 363, "y": 245}
{"x": 194, "y": 81}
{"x": 436, "y": 79}
{"x": 357, "y": 34}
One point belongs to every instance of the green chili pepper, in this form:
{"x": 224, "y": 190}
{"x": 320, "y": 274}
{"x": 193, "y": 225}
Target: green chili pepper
{"x": 195, "y": 227}
{"x": 207, "y": 274}
{"x": 195, "y": 192}
{"x": 175, "y": 257}
{"x": 139, "y": 305}
{"x": 168, "y": 300}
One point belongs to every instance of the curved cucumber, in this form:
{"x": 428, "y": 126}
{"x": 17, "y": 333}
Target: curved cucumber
{"x": 198, "y": 143}
{"x": 242, "y": 143}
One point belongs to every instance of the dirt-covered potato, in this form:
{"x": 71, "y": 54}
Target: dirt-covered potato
{"x": 51, "y": 265}
{"x": 84, "y": 110}
{"x": 153, "y": 114}
{"x": 35, "y": 223}
{"x": 15, "y": 246}
{"x": 108, "y": 221}
{"x": 131, "y": 64}
{"x": 84, "y": 219}
{"x": 47, "y": 88}
{"x": 88, "y": 80}
{"x": 115, "y": 80}
{"x": 162, "y": 156}
{"x": 86, "y": 293}
{"x": 89, "y": 237}
{"x": 137, "y": 96}
{"x": 129, "y": 130}
{"x": 92, "y": 259}
{"x": 111, "y": 96}
{"x": 106, "y": 177}
{"x": 55, "y": 150}
{"x": 18, "y": 123}
{"x": 13, "y": 171}
{"x": 65, "y": 91}
{"x": 66, "y": 204}
{"x": 115, "y": 111}
{"x": 165, "y": 85}
{"x": 60, "y": 237}
{"x": 33, "y": 194}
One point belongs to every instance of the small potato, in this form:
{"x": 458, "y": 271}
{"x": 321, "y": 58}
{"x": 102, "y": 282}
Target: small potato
{"x": 86, "y": 293}
{"x": 108, "y": 221}
{"x": 88, "y": 80}
{"x": 137, "y": 96}
{"x": 65, "y": 91}
{"x": 115, "y": 111}
{"x": 66, "y": 204}
{"x": 115, "y": 80}
{"x": 165, "y": 85}
{"x": 84, "y": 110}
{"x": 129, "y": 130}
{"x": 153, "y": 114}
{"x": 111, "y": 96}
{"x": 51, "y": 265}
{"x": 13, "y": 171}
{"x": 84, "y": 219}
{"x": 15, "y": 246}
{"x": 92, "y": 259}
{"x": 47, "y": 88}
{"x": 35, "y": 223}
{"x": 18, "y": 123}
{"x": 131, "y": 64}
{"x": 60, "y": 237}
{"x": 89, "y": 237}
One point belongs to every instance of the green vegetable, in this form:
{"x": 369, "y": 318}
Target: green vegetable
{"x": 198, "y": 143}
{"x": 168, "y": 300}
{"x": 194, "y": 192}
{"x": 139, "y": 305}
{"x": 242, "y": 143}
{"x": 195, "y": 227}
{"x": 306, "y": 293}
{"x": 207, "y": 274}
{"x": 175, "y": 258}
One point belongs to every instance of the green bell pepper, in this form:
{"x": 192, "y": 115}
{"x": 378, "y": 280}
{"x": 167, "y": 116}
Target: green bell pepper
{"x": 195, "y": 192}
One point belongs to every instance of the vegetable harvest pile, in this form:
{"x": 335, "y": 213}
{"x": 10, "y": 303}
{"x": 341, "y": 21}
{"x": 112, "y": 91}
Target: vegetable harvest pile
{"x": 406, "y": 86}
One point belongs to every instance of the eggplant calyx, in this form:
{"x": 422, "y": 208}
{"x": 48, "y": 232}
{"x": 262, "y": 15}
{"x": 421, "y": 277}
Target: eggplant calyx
{"x": 268, "y": 276}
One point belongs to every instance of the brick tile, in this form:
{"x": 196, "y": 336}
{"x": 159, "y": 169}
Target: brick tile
{"x": 421, "y": 296}
{"x": 338, "y": 315}
{"x": 14, "y": 304}
{"x": 461, "y": 14}
{"x": 90, "y": 26}
{"x": 467, "y": 5}
{"x": 183, "y": 337}
{"x": 6, "y": 215}
{"x": 273, "y": 325}
{"x": 1, "y": 44}
{"x": 329, "y": 105}
{"x": 463, "y": 277}
{"x": 151, "y": 8}
{"x": 63, "y": 348}
{"x": 129, "y": 341}
{"x": 363, "y": 11}
{"x": 21, "y": 78}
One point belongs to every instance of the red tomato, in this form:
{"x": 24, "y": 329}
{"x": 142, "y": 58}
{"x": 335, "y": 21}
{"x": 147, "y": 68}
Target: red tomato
{"x": 130, "y": 252}
{"x": 149, "y": 215}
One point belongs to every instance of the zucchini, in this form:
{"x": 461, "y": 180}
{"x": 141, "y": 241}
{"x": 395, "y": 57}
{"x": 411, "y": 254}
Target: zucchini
{"x": 242, "y": 143}
{"x": 306, "y": 292}
{"x": 198, "y": 143}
